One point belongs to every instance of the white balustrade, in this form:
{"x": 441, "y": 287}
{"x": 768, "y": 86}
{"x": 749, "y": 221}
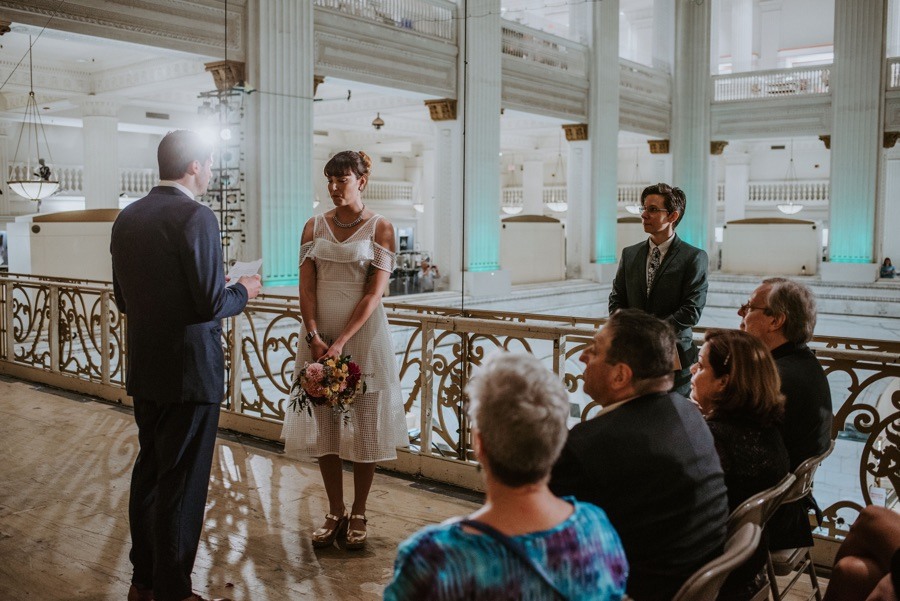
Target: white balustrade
{"x": 893, "y": 79}
{"x": 645, "y": 80}
{"x": 542, "y": 48}
{"x": 775, "y": 83}
{"x": 133, "y": 182}
{"x": 807, "y": 192}
{"x": 630, "y": 194}
{"x": 555, "y": 194}
{"x": 513, "y": 197}
{"x": 428, "y": 17}
{"x": 389, "y": 191}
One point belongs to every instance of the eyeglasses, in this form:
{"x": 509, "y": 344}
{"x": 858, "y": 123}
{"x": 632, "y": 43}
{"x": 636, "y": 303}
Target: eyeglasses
{"x": 653, "y": 210}
{"x": 747, "y": 307}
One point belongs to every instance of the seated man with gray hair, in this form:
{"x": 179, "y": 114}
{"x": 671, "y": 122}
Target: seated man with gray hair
{"x": 782, "y": 314}
{"x": 524, "y": 542}
{"x": 648, "y": 458}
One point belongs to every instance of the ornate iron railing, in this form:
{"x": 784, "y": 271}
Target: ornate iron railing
{"x": 70, "y": 334}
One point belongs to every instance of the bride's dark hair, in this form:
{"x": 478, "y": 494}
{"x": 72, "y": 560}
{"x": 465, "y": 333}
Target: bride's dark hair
{"x": 350, "y": 161}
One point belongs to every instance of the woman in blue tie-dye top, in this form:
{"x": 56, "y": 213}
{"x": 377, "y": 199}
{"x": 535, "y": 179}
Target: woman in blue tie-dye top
{"x": 518, "y": 410}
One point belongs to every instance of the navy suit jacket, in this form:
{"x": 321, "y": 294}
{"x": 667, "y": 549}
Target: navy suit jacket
{"x": 678, "y": 294}
{"x": 651, "y": 465}
{"x": 168, "y": 278}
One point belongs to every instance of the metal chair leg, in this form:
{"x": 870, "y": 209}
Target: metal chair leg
{"x": 811, "y": 570}
{"x": 773, "y": 584}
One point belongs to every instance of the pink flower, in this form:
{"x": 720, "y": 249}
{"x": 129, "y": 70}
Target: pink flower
{"x": 314, "y": 372}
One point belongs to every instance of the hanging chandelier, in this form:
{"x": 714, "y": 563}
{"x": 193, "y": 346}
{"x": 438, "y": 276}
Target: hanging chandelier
{"x": 789, "y": 208}
{"x": 38, "y": 184}
{"x": 558, "y": 198}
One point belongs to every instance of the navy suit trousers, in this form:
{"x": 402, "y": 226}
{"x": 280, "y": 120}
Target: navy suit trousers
{"x": 169, "y": 487}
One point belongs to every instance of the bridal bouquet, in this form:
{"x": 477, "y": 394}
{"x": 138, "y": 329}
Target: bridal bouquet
{"x": 330, "y": 382}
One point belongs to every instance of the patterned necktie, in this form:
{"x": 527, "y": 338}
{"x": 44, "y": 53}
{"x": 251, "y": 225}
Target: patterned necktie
{"x": 651, "y": 269}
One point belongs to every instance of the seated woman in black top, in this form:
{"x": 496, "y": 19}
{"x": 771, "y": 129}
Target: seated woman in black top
{"x": 736, "y": 385}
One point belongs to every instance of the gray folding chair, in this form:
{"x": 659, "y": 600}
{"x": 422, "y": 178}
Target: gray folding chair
{"x": 786, "y": 561}
{"x": 760, "y": 507}
{"x": 705, "y": 583}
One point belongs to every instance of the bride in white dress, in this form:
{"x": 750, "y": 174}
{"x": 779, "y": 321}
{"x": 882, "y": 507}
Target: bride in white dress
{"x": 346, "y": 258}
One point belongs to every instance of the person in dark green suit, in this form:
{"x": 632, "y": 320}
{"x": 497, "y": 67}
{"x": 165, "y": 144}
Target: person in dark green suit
{"x": 664, "y": 276}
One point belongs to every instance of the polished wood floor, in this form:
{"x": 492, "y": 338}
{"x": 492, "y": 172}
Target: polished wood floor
{"x": 65, "y": 464}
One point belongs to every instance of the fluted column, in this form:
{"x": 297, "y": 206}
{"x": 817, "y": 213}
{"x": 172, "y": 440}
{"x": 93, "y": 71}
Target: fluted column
{"x": 578, "y": 222}
{"x": 737, "y": 185}
{"x": 448, "y": 201}
{"x": 481, "y": 171}
{"x": 5, "y": 206}
{"x": 690, "y": 118}
{"x": 663, "y": 34}
{"x": 604, "y": 136}
{"x": 281, "y": 130}
{"x": 890, "y": 214}
{"x": 100, "y": 136}
{"x": 856, "y": 100}
{"x": 769, "y": 33}
{"x": 741, "y": 35}
{"x": 533, "y": 187}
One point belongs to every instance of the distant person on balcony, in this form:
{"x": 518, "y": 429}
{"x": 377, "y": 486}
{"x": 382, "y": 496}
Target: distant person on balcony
{"x": 782, "y": 314}
{"x": 518, "y": 410}
{"x": 887, "y": 268}
{"x": 168, "y": 278}
{"x": 664, "y": 276}
{"x": 647, "y": 458}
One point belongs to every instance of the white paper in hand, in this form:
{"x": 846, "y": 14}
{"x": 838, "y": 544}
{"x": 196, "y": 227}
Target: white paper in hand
{"x": 240, "y": 269}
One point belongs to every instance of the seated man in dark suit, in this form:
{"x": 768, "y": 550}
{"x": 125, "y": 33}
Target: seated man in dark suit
{"x": 647, "y": 459}
{"x": 664, "y": 276}
{"x": 782, "y": 314}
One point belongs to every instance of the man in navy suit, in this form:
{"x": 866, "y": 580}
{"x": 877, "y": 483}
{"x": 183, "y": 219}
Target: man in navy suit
{"x": 647, "y": 458}
{"x": 168, "y": 278}
{"x": 664, "y": 276}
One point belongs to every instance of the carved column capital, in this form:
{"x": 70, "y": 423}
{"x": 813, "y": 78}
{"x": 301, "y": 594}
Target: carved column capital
{"x": 442, "y": 109}
{"x": 826, "y": 140}
{"x": 226, "y": 74}
{"x": 658, "y": 146}
{"x": 576, "y": 132}
{"x": 717, "y": 147}
{"x": 5, "y": 26}
{"x": 98, "y": 106}
{"x": 890, "y": 138}
{"x": 317, "y": 79}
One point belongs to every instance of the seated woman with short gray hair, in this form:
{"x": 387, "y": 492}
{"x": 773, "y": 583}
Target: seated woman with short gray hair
{"x": 524, "y": 542}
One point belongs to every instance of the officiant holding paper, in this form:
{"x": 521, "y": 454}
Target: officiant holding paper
{"x": 169, "y": 282}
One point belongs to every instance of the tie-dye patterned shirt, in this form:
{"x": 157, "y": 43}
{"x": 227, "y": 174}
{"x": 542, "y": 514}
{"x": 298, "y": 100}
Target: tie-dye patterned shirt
{"x": 583, "y": 556}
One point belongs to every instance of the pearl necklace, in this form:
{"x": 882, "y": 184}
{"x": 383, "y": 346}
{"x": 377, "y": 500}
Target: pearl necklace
{"x": 353, "y": 223}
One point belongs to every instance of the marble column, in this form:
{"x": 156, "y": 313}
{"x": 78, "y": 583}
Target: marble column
{"x": 604, "y": 137}
{"x": 481, "y": 170}
{"x": 857, "y": 106}
{"x": 6, "y": 197}
{"x": 663, "y": 34}
{"x": 737, "y": 185}
{"x": 890, "y": 208}
{"x": 448, "y": 201}
{"x": 893, "y": 29}
{"x": 533, "y": 188}
{"x": 426, "y": 196}
{"x": 578, "y": 222}
{"x": 100, "y": 135}
{"x": 741, "y": 35}
{"x": 769, "y": 33}
{"x": 280, "y": 134}
{"x": 691, "y": 94}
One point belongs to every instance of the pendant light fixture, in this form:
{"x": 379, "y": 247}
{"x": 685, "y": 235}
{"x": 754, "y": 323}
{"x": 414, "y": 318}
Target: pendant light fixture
{"x": 36, "y": 183}
{"x": 789, "y": 208}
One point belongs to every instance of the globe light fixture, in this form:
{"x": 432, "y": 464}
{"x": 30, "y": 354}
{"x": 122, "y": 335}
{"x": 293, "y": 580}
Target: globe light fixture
{"x": 789, "y": 208}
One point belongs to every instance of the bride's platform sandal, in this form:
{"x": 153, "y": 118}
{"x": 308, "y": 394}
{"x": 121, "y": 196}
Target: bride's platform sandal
{"x": 356, "y": 539}
{"x": 325, "y": 537}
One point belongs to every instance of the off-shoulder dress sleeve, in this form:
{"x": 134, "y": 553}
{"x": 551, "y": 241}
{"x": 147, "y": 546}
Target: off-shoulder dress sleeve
{"x": 382, "y": 258}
